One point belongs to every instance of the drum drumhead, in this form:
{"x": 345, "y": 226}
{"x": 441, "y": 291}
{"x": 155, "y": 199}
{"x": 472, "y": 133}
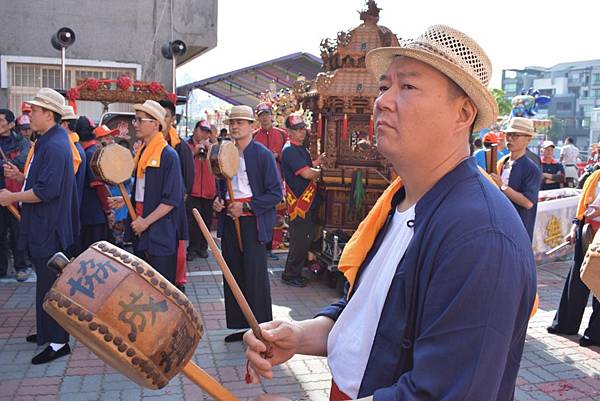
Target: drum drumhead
{"x": 229, "y": 159}
{"x": 115, "y": 163}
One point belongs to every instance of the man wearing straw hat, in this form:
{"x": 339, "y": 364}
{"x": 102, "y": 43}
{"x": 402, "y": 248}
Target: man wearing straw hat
{"x": 157, "y": 193}
{"x": 425, "y": 317}
{"x": 49, "y": 218}
{"x": 256, "y": 190}
{"x": 518, "y": 176}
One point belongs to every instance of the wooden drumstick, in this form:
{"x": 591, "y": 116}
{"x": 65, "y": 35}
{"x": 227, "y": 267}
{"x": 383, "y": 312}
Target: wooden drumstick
{"x": 196, "y": 374}
{"x": 127, "y": 202}
{"x": 235, "y": 288}
{"x": 238, "y": 229}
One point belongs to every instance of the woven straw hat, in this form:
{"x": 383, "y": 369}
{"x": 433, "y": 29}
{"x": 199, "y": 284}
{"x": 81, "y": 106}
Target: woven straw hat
{"x": 454, "y": 54}
{"x": 521, "y": 125}
{"x": 49, "y": 99}
{"x": 153, "y": 109}
{"x": 69, "y": 113}
{"x": 240, "y": 113}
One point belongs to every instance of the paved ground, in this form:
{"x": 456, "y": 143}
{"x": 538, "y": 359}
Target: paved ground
{"x": 552, "y": 368}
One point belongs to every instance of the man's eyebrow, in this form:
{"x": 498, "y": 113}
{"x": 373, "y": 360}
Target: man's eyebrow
{"x": 400, "y": 75}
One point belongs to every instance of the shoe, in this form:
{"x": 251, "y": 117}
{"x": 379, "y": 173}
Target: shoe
{"x": 23, "y": 275}
{"x": 273, "y": 256}
{"x": 294, "y": 281}
{"x": 553, "y": 330}
{"x": 203, "y": 254}
{"x": 235, "y": 337}
{"x": 32, "y": 338}
{"x": 48, "y": 355}
{"x": 190, "y": 256}
{"x": 585, "y": 341}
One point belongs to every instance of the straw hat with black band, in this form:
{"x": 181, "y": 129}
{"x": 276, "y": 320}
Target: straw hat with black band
{"x": 49, "y": 99}
{"x": 455, "y": 55}
{"x": 240, "y": 113}
{"x": 153, "y": 109}
{"x": 520, "y": 125}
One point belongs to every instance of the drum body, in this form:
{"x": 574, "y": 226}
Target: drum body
{"x": 112, "y": 164}
{"x": 126, "y": 313}
{"x": 224, "y": 159}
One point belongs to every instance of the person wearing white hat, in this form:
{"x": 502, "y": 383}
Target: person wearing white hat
{"x": 256, "y": 191}
{"x": 49, "y": 218}
{"x": 518, "y": 176}
{"x": 441, "y": 276}
{"x": 157, "y": 193}
{"x": 553, "y": 172}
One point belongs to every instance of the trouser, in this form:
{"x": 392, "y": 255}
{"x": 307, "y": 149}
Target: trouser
{"x": 92, "y": 233}
{"x": 9, "y": 234}
{"x": 165, "y": 265}
{"x": 205, "y": 207}
{"x": 249, "y": 268}
{"x": 301, "y": 232}
{"x": 575, "y": 297}
{"x": 48, "y": 330}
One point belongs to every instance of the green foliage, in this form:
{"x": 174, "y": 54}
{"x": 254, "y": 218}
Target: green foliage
{"x": 504, "y": 105}
{"x": 557, "y": 132}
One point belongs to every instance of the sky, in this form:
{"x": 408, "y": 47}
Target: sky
{"x": 514, "y": 34}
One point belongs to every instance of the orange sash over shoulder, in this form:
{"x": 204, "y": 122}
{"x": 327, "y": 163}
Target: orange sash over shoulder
{"x": 150, "y": 155}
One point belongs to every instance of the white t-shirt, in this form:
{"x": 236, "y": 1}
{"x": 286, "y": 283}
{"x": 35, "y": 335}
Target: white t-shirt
{"x": 140, "y": 188}
{"x": 351, "y": 338}
{"x": 240, "y": 182}
{"x": 569, "y": 154}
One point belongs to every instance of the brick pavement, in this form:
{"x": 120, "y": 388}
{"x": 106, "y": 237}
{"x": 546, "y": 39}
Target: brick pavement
{"x": 552, "y": 368}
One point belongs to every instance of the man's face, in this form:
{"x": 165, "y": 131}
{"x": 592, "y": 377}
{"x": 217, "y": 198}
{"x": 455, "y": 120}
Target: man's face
{"x": 65, "y": 125}
{"x": 414, "y": 113}
{"x": 549, "y": 152}
{"x": 240, "y": 129}
{"x": 26, "y": 132}
{"x": 144, "y": 125}
{"x": 265, "y": 120}
{"x": 297, "y": 135}
{"x": 201, "y": 134}
{"x": 168, "y": 119}
{"x": 41, "y": 119}
{"x": 516, "y": 141}
{"x": 5, "y": 126}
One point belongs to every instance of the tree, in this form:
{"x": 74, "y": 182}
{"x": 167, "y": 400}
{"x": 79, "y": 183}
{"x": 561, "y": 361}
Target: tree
{"x": 557, "y": 132}
{"x": 504, "y": 105}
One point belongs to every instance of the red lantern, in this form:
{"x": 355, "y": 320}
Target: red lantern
{"x": 345, "y": 127}
{"x": 371, "y": 129}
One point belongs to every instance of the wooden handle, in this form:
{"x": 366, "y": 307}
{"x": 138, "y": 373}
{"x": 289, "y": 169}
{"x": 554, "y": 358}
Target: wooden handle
{"x": 196, "y": 374}
{"x": 14, "y": 211}
{"x": 238, "y": 229}
{"x": 127, "y": 202}
{"x": 235, "y": 288}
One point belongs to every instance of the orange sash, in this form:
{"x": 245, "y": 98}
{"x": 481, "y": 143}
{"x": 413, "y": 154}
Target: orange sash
{"x": 151, "y": 155}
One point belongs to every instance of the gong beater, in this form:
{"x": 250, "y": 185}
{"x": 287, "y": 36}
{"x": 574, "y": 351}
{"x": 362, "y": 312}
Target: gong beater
{"x": 130, "y": 316}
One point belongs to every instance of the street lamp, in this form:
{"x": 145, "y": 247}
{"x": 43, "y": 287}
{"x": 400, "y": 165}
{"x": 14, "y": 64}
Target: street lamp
{"x": 62, "y": 39}
{"x": 171, "y": 50}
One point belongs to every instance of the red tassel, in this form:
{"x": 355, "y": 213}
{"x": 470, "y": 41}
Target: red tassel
{"x": 73, "y": 103}
{"x": 371, "y": 129}
{"x": 319, "y": 125}
{"x": 345, "y": 127}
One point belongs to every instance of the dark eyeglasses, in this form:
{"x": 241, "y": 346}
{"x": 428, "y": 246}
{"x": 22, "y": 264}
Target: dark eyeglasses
{"x": 514, "y": 135}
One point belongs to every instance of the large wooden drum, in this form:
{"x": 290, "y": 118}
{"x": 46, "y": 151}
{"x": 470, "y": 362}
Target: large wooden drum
{"x": 224, "y": 160}
{"x": 130, "y": 316}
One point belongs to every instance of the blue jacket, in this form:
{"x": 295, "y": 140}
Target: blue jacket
{"x": 471, "y": 264}
{"x": 266, "y": 189}
{"x": 163, "y": 185}
{"x": 49, "y": 226}
{"x": 91, "y": 209}
{"x": 80, "y": 174}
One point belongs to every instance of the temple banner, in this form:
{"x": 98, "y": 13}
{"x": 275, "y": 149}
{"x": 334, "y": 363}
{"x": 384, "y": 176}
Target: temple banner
{"x": 553, "y": 222}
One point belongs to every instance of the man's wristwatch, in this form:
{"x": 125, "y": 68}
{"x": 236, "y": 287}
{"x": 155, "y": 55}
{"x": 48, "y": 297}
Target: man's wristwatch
{"x": 246, "y": 207}
{"x": 503, "y": 187}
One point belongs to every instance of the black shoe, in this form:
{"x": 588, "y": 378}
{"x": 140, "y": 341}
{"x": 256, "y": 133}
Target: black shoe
{"x": 190, "y": 256}
{"x": 203, "y": 254}
{"x": 585, "y": 341}
{"x": 32, "y": 338}
{"x": 235, "y": 337}
{"x": 48, "y": 355}
{"x": 294, "y": 281}
{"x": 553, "y": 330}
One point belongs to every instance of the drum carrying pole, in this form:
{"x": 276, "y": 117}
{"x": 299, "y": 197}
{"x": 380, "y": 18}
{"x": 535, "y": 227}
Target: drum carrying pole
{"x": 130, "y": 208}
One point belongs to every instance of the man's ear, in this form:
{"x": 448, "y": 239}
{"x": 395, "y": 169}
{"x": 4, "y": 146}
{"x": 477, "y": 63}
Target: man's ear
{"x": 467, "y": 112}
